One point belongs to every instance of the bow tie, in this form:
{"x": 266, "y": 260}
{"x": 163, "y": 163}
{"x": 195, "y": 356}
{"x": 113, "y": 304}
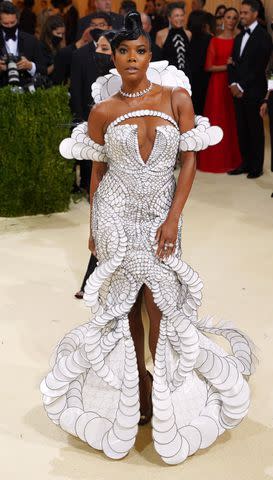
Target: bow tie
{"x": 247, "y": 30}
{"x": 10, "y": 36}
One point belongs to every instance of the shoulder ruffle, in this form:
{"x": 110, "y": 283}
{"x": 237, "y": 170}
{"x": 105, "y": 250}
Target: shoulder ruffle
{"x": 200, "y": 137}
{"x": 80, "y": 146}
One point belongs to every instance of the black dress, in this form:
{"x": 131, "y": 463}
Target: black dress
{"x": 176, "y": 49}
{"x": 199, "y": 77}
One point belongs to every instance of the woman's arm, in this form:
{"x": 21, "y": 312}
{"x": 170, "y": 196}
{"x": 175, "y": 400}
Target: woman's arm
{"x": 96, "y": 122}
{"x": 167, "y": 233}
{"x": 211, "y": 60}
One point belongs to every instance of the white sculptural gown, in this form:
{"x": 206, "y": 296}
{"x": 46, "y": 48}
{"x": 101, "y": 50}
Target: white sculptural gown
{"x": 199, "y": 390}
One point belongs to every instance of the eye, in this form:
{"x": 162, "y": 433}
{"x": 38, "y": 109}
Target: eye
{"x": 141, "y": 51}
{"x": 122, "y": 50}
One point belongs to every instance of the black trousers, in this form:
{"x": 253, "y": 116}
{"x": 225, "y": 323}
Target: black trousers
{"x": 90, "y": 269}
{"x": 251, "y": 133}
{"x": 270, "y": 113}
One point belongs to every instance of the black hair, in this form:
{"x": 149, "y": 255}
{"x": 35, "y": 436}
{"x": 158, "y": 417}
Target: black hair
{"x": 253, "y": 4}
{"x": 108, "y": 34}
{"x": 29, "y": 3}
{"x": 103, "y": 15}
{"x": 128, "y": 6}
{"x": 230, "y": 9}
{"x": 197, "y": 22}
{"x": 52, "y": 22}
{"x": 172, "y": 6}
{"x": 9, "y": 9}
{"x": 211, "y": 22}
{"x": 132, "y": 30}
{"x": 219, "y": 8}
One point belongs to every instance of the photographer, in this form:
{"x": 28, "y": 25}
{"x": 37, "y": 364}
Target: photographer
{"x": 21, "y": 56}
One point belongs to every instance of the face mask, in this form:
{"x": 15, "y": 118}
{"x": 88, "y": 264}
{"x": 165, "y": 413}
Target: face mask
{"x": 103, "y": 62}
{"x": 10, "y": 31}
{"x": 56, "y": 40}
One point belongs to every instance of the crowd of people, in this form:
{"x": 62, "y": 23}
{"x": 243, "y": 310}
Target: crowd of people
{"x": 225, "y": 56}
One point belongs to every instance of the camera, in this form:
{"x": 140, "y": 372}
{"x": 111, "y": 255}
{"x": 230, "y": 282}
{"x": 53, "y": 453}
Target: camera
{"x": 12, "y": 70}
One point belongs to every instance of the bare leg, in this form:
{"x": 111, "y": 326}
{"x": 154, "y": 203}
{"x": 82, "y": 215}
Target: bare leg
{"x": 154, "y": 317}
{"x": 137, "y": 332}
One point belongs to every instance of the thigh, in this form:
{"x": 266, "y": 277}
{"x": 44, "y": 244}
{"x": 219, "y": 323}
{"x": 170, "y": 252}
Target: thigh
{"x": 153, "y": 310}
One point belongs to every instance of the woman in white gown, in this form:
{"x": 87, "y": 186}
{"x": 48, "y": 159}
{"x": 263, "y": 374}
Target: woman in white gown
{"x": 99, "y": 388}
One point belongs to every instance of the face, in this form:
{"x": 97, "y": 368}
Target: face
{"x": 219, "y": 24}
{"x": 59, "y": 32}
{"x": 103, "y": 46}
{"x": 132, "y": 59}
{"x": 230, "y": 20}
{"x": 146, "y": 23}
{"x": 7, "y": 20}
{"x": 150, "y": 7}
{"x": 196, "y": 5}
{"x": 177, "y": 18}
{"x": 221, "y": 12}
{"x": 247, "y": 16}
{"x": 99, "y": 23}
{"x": 103, "y": 5}
{"x": 159, "y": 6}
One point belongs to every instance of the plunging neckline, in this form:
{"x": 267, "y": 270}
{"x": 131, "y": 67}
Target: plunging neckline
{"x": 133, "y": 126}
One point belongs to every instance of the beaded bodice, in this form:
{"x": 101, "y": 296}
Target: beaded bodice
{"x": 140, "y": 189}
{"x": 122, "y": 147}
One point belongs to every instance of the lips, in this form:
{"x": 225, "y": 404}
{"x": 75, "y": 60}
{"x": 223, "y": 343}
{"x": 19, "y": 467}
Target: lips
{"x": 131, "y": 69}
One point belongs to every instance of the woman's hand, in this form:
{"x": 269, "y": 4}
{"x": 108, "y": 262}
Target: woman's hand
{"x": 166, "y": 236}
{"x": 263, "y": 110}
{"x": 230, "y": 61}
{"x": 92, "y": 246}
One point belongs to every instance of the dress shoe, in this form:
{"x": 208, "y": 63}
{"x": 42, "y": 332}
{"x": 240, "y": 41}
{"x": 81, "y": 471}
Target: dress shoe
{"x": 254, "y": 175}
{"x": 237, "y": 171}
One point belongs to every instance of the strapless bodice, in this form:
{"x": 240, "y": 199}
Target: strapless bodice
{"x": 122, "y": 147}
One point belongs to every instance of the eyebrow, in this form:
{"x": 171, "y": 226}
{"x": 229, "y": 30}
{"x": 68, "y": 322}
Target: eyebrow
{"x": 125, "y": 45}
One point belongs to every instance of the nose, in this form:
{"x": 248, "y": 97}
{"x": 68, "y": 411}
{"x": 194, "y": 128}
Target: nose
{"x": 132, "y": 58}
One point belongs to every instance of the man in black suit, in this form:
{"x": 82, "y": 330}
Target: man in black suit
{"x": 13, "y": 41}
{"x": 248, "y": 85}
{"x": 105, "y": 7}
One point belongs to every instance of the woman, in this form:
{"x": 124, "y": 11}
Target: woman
{"x": 174, "y": 40}
{"x": 53, "y": 39}
{"x": 100, "y": 374}
{"x": 219, "y": 103}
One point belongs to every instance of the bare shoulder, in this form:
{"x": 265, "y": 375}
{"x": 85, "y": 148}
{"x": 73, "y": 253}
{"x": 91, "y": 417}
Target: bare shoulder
{"x": 183, "y": 108}
{"x": 180, "y": 97}
{"x": 189, "y": 34}
{"x": 161, "y": 36}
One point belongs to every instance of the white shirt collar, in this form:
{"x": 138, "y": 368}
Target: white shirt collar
{"x": 253, "y": 26}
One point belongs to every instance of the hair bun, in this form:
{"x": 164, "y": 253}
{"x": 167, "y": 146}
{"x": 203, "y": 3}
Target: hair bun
{"x": 132, "y": 21}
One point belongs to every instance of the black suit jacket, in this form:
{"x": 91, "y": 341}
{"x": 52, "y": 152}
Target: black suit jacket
{"x": 249, "y": 70}
{"x": 29, "y": 47}
{"x": 83, "y": 23}
{"x": 84, "y": 72}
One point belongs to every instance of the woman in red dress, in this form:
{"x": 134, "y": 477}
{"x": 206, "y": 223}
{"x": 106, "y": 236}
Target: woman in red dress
{"x": 219, "y": 102}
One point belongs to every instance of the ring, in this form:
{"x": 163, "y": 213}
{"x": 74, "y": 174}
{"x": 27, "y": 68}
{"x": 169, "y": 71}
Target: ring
{"x": 165, "y": 247}
{"x": 169, "y": 245}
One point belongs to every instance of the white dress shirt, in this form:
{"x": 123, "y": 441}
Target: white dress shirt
{"x": 243, "y": 44}
{"x": 246, "y": 36}
{"x": 12, "y": 47}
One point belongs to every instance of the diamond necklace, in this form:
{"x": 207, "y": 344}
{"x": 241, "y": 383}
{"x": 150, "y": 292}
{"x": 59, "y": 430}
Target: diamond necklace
{"x": 136, "y": 94}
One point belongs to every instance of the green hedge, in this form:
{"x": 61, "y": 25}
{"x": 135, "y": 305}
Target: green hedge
{"x": 34, "y": 178}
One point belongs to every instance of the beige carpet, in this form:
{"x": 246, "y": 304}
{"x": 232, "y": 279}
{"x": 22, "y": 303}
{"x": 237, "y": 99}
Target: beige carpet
{"x": 228, "y": 238}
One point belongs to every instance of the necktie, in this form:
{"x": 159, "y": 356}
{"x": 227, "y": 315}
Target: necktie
{"x": 247, "y": 30}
